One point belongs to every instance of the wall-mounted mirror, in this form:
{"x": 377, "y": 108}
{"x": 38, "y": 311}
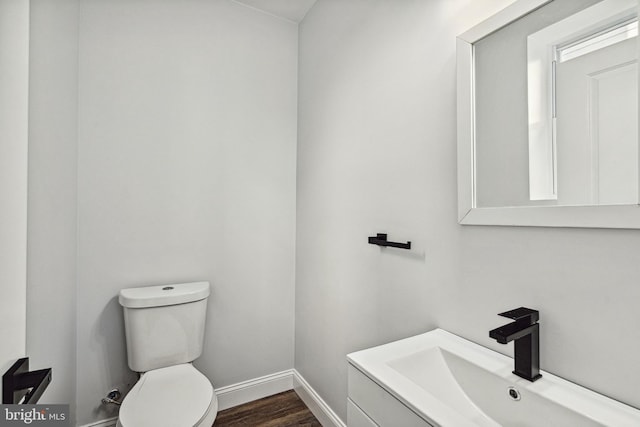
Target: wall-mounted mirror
{"x": 548, "y": 116}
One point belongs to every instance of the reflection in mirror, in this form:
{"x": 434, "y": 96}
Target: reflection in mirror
{"x": 584, "y": 62}
{"x": 556, "y": 114}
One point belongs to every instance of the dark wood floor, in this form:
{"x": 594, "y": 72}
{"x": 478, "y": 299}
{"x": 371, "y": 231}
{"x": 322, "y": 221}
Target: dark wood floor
{"x": 280, "y": 410}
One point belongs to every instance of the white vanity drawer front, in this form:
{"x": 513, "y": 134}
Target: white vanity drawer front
{"x": 357, "y": 418}
{"x": 379, "y": 405}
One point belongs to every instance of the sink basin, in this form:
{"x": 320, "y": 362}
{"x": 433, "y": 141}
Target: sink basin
{"x": 449, "y": 381}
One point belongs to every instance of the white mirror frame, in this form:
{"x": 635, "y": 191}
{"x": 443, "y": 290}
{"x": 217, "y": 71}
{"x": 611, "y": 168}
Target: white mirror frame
{"x": 618, "y": 216}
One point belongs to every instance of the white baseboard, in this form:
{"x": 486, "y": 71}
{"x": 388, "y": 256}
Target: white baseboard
{"x": 109, "y": 422}
{"x": 316, "y": 404}
{"x": 257, "y": 388}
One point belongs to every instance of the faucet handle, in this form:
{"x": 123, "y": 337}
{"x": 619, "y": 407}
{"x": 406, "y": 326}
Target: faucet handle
{"x": 522, "y": 315}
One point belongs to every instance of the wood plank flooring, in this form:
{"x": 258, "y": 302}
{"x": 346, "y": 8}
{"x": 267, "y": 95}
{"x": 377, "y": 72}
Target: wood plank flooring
{"x": 280, "y": 410}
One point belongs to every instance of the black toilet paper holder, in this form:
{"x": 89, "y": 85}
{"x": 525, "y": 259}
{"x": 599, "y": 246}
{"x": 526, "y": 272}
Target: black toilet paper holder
{"x": 380, "y": 239}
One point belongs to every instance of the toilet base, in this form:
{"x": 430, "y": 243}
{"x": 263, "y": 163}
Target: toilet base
{"x": 206, "y": 421}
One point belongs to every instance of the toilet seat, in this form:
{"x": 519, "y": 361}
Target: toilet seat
{"x": 175, "y": 396}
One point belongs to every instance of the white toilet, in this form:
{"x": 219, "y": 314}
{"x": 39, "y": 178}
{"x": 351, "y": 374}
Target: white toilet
{"x": 165, "y": 329}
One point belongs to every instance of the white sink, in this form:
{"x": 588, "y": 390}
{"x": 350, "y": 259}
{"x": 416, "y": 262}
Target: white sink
{"x": 449, "y": 381}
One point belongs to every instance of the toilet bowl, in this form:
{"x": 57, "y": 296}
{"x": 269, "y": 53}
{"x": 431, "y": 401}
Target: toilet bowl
{"x": 164, "y": 328}
{"x": 175, "y": 396}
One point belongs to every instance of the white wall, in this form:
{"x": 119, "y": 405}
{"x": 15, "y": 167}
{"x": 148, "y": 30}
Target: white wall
{"x": 51, "y": 288}
{"x": 14, "y": 90}
{"x": 377, "y": 153}
{"x": 187, "y": 133}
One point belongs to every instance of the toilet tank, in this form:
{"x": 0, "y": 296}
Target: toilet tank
{"x": 164, "y": 325}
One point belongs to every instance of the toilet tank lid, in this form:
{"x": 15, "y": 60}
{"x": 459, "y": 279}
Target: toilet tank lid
{"x": 157, "y": 296}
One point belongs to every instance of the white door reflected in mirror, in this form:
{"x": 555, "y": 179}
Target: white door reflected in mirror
{"x": 582, "y": 107}
{"x": 597, "y": 127}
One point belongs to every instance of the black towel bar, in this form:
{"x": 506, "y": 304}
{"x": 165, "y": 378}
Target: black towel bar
{"x": 19, "y": 385}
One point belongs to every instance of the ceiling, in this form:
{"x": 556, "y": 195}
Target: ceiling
{"x": 292, "y": 10}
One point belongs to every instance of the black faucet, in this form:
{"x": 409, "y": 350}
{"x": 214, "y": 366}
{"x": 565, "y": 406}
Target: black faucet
{"x": 525, "y": 331}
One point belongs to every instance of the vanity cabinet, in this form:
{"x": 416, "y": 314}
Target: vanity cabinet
{"x": 370, "y": 405}
{"x": 356, "y": 417}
